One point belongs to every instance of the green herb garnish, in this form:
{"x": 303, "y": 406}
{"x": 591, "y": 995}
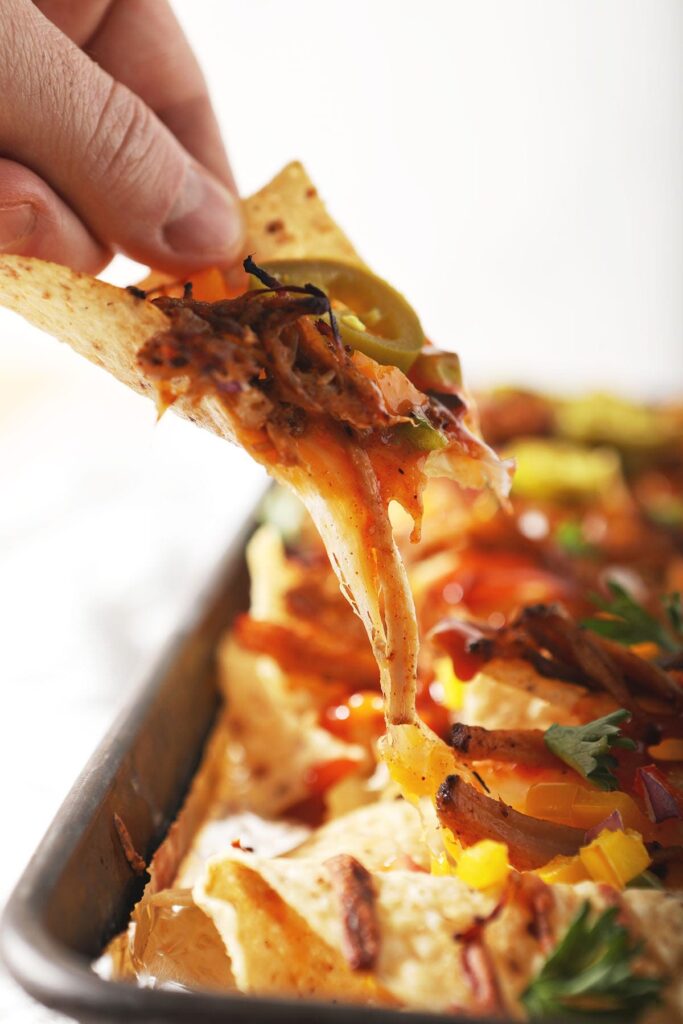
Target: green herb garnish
{"x": 589, "y": 976}
{"x": 585, "y": 748}
{"x": 629, "y": 623}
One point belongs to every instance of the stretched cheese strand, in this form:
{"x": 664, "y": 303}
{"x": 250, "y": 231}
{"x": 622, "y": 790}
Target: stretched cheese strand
{"x": 339, "y": 487}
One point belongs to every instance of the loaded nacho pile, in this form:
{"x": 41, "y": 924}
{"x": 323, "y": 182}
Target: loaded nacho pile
{"x": 530, "y": 864}
{"x": 447, "y": 773}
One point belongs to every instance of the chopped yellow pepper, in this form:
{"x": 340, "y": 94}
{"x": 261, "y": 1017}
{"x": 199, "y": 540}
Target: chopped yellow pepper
{"x": 484, "y": 864}
{"x": 563, "y": 869}
{"x": 615, "y": 857}
{"x": 571, "y": 804}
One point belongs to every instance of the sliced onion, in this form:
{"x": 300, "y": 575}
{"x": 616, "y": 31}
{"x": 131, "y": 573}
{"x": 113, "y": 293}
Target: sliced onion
{"x": 612, "y": 823}
{"x": 660, "y": 803}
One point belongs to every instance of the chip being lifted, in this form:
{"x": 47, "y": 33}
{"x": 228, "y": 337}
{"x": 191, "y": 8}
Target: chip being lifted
{"x": 270, "y": 368}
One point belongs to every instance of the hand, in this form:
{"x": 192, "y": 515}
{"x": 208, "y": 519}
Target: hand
{"x": 108, "y": 139}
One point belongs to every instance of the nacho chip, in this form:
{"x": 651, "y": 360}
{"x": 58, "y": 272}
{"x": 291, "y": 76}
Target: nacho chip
{"x": 382, "y": 835}
{"x": 441, "y": 946}
{"x": 249, "y": 898}
{"x": 108, "y": 325}
{"x": 287, "y": 220}
{"x": 173, "y": 942}
{"x": 277, "y": 747}
{"x": 272, "y": 948}
{"x": 208, "y": 364}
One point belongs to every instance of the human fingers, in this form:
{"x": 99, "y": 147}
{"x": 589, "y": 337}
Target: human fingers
{"x": 34, "y": 221}
{"x": 104, "y": 151}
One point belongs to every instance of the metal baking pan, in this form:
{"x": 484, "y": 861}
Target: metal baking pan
{"x": 79, "y": 889}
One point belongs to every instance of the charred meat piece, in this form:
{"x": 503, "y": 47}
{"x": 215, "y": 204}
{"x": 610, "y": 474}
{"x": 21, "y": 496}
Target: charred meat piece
{"x": 558, "y": 648}
{"x": 355, "y": 893}
{"x": 575, "y": 647}
{"x": 520, "y": 746}
{"x": 472, "y": 816}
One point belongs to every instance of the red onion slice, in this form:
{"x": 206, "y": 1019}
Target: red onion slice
{"x": 660, "y": 803}
{"x": 612, "y": 823}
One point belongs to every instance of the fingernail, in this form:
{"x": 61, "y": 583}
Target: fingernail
{"x": 206, "y": 219}
{"x": 16, "y": 225}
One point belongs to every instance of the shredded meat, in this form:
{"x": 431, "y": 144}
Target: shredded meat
{"x": 642, "y": 675}
{"x": 263, "y": 355}
{"x": 560, "y": 649}
{"x": 520, "y": 746}
{"x": 356, "y": 896}
{"x": 472, "y": 816}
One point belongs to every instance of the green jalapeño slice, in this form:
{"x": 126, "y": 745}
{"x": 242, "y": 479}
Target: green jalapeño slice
{"x": 372, "y": 316}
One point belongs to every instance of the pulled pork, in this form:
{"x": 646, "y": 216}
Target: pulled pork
{"x": 269, "y": 356}
{"x": 558, "y": 648}
{"x": 472, "y": 816}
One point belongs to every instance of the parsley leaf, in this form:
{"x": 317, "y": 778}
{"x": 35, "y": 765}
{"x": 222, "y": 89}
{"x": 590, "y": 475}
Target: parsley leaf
{"x": 630, "y": 623}
{"x": 589, "y": 976}
{"x": 585, "y": 748}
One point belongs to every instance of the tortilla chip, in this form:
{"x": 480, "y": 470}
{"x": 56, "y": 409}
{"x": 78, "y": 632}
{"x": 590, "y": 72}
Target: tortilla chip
{"x": 276, "y": 739}
{"x": 658, "y": 921}
{"x": 288, "y": 220}
{"x": 510, "y": 694}
{"x": 172, "y": 941}
{"x": 271, "y": 913}
{"x": 270, "y": 576}
{"x": 379, "y": 836}
{"x": 105, "y": 324}
{"x": 281, "y": 925}
{"x": 108, "y": 325}
{"x": 272, "y": 949}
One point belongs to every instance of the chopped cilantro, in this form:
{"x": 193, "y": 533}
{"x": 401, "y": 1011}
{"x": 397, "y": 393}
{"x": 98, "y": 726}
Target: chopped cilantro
{"x": 588, "y": 976}
{"x": 585, "y": 748}
{"x": 630, "y": 623}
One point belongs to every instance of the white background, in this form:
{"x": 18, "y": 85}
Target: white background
{"x": 515, "y": 167}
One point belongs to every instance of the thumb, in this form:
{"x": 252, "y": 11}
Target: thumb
{"x": 106, "y": 153}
